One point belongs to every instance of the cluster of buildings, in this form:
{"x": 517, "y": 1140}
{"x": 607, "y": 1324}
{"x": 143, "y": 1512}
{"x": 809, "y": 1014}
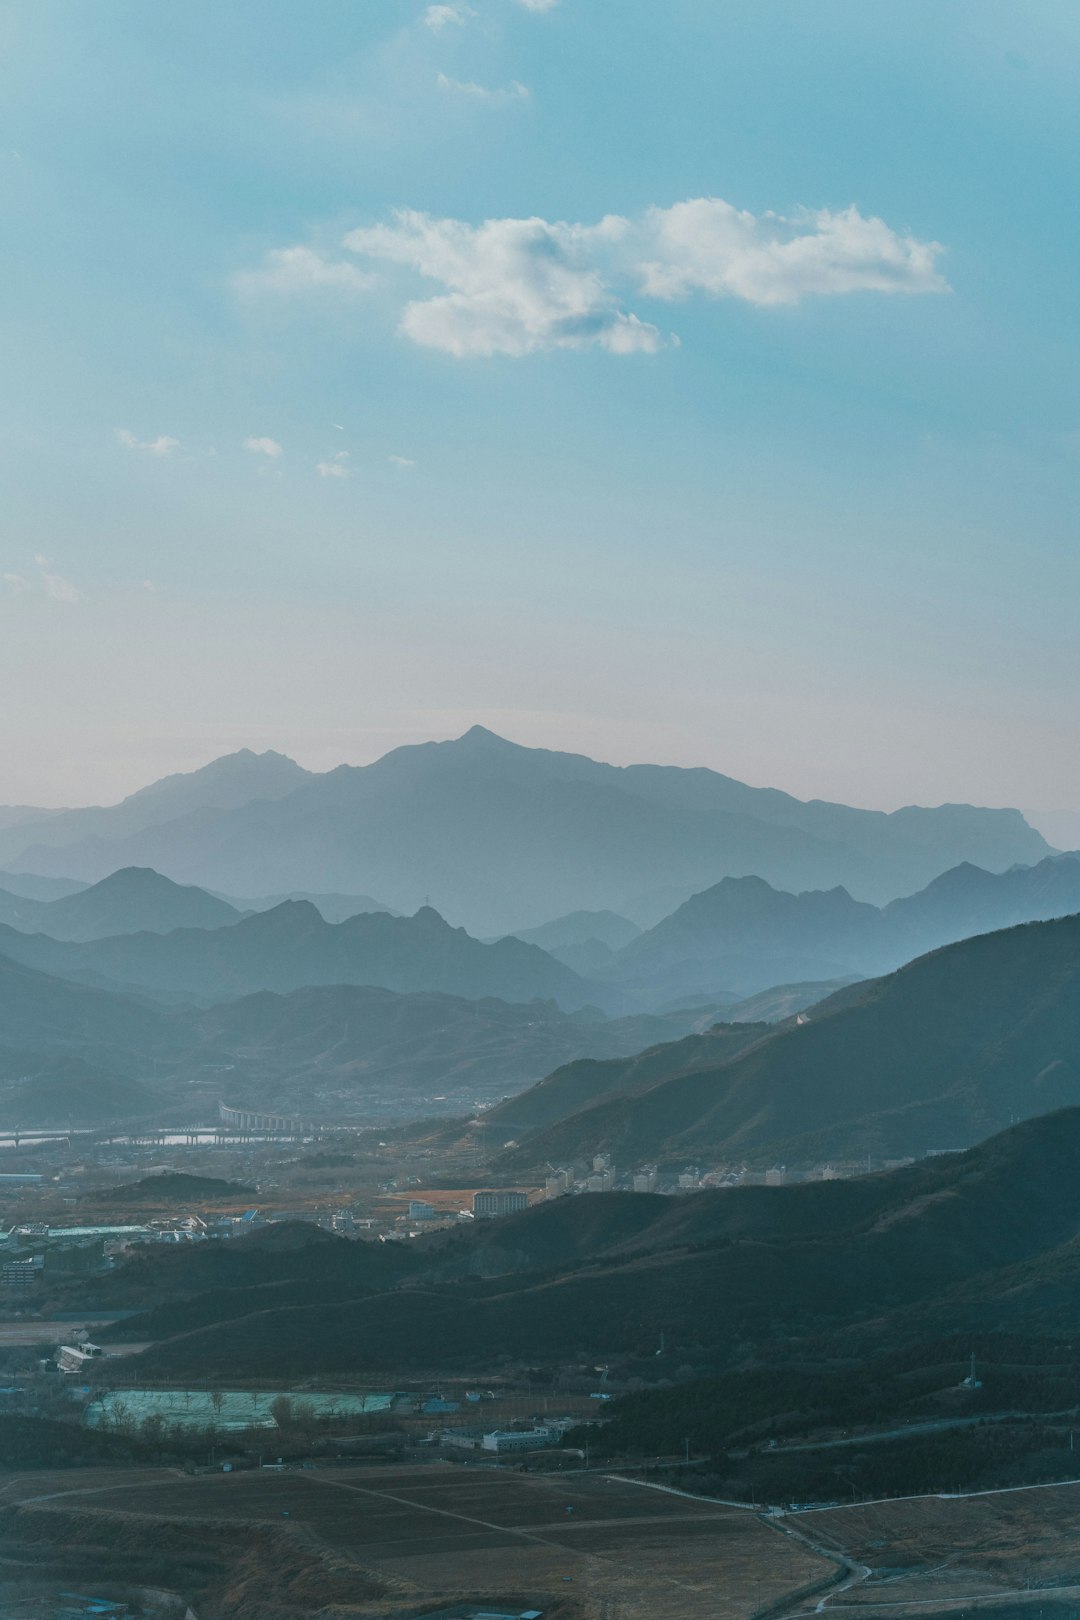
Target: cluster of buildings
{"x": 648, "y": 1178}
{"x": 34, "y": 1252}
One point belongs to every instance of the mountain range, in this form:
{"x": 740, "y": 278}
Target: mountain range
{"x": 737, "y": 939}
{"x": 77, "y": 1054}
{"x": 937, "y": 1055}
{"x": 292, "y": 945}
{"x": 742, "y": 935}
{"x": 494, "y": 833}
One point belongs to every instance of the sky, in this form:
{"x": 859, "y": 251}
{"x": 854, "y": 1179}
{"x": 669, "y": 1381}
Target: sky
{"x": 685, "y": 383}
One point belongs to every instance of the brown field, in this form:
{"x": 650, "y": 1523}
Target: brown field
{"x": 30, "y": 1332}
{"x": 441, "y": 1532}
{"x": 932, "y": 1553}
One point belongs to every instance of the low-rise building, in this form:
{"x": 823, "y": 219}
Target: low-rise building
{"x": 462, "y": 1439}
{"x": 518, "y": 1439}
{"x": 73, "y": 1358}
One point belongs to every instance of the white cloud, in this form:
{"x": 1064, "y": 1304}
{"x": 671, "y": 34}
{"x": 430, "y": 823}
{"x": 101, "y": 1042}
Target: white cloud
{"x": 302, "y": 270}
{"x": 335, "y": 468}
{"x": 538, "y": 5}
{"x": 440, "y": 17}
{"x": 263, "y": 447}
{"x": 161, "y": 446}
{"x": 515, "y": 285}
{"x": 47, "y": 583}
{"x": 401, "y": 461}
{"x": 479, "y": 92}
{"x": 518, "y": 286}
{"x": 706, "y": 245}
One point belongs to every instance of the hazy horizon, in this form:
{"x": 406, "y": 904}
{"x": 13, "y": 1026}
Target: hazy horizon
{"x": 633, "y": 390}
{"x": 1052, "y": 822}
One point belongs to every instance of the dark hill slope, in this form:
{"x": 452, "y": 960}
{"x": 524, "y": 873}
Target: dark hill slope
{"x": 38, "y": 1010}
{"x": 938, "y": 1055}
{"x": 291, "y": 946}
{"x": 587, "y": 1082}
{"x": 72, "y": 1054}
{"x": 719, "y": 1273}
{"x": 360, "y": 1035}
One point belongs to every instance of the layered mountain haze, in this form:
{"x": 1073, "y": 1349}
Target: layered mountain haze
{"x": 292, "y": 945}
{"x": 585, "y": 940}
{"x": 334, "y": 908}
{"x": 745, "y": 936}
{"x": 130, "y": 901}
{"x": 938, "y": 1055}
{"x": 494, "y": 832}
{"x": 74, "y": 1053}
{"x": 227, "y": 783}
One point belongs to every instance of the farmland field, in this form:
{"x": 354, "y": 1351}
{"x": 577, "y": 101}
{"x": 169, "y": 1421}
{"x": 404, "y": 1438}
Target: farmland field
{"x": 615, "y": 1550}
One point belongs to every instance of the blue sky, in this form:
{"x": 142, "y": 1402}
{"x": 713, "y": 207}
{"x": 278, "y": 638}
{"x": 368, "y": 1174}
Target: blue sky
{"x": 299, "y": 453}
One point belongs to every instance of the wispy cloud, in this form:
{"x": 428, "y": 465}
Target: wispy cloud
{"x": 479, "y": 92}
{"x": 302, "y": 270}
{"x": 538, "y": 5}
{"x": 46, "y": 582}
{"x": 440, "y": 17}
{"x": 707, "y": 245}
{"x": 335, "y": 468}
{"x": 401, "y": 461}
{"x": 263, "y": 447}
{"x": 516, "y": 286}
{"x": 163, "y": 445}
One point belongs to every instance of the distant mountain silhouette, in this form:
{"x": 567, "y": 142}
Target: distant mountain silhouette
{"x": 494, "y": 832}
{"x": 291, "y": 946}
{"x": 938, "y": 1055}
{"x": 130, "y": 901}
{"x": 334, "y": 908}
{"x": 744, "y": 935}
{"x": 584, "y": 940}
{"x": 225, "y": 784}
{"x": 29, "y": 886}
